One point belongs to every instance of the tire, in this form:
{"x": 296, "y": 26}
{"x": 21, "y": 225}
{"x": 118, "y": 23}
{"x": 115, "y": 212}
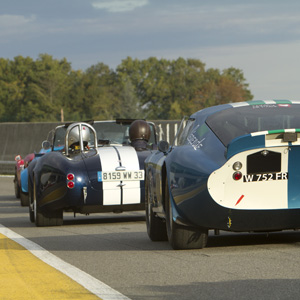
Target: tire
{"x": 24, "y": 199}
{"x": 17, "y": 187}
{"x": 43, "y": 219}
{"x": 156, "y": 227}
{"x": 31, "y": 202}
{"x": 182, "y": 237}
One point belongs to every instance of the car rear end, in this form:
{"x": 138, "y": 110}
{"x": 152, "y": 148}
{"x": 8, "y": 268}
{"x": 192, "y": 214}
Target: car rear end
{"x": 258, "y": 188}
{"x": 262, "y": 172}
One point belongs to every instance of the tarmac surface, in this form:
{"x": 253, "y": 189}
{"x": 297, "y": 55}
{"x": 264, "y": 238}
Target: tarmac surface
{"x": 115, "y": 251}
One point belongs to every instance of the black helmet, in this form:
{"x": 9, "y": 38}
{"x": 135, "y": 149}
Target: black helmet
{"x": 139, "y": 130}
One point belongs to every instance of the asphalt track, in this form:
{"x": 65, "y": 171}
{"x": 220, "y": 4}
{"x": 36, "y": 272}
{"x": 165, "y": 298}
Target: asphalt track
{"x": 111, "y": 257}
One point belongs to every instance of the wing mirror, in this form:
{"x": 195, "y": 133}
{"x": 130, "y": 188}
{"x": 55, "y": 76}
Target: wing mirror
{"x": 163, "y": 146}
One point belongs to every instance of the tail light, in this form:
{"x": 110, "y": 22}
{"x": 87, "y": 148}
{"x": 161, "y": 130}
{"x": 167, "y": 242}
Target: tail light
{"x": 237, "y": 175}
{"x": 70, "y": 183}
{"x": 237, "y": 166}
{"x": 70, "y": 176}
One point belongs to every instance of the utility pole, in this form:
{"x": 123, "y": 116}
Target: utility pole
{"x": 62, "y": 115}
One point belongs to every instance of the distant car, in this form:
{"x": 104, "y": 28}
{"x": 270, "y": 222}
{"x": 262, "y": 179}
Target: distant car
{"x": 100, "y": 169}
{"x": 46, "y": 147}
{"x": 21, "y": 165}
{"x": 235, "y": 168}
{"x": 18, "y": 168}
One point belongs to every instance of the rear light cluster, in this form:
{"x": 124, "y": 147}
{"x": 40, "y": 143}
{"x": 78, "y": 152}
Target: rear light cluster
{"x": 237, "y": 175}
{"x": 70, "y": 182}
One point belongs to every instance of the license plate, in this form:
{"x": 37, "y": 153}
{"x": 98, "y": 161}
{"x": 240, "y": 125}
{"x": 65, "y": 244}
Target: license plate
{"x": 265, "y": 177}
{"x": 121, "y": 176}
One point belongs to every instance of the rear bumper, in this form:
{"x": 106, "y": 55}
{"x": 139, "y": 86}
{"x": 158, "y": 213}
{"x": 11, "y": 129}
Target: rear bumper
{"x": 62, "y": 198}
{"x": 203, "y": 212}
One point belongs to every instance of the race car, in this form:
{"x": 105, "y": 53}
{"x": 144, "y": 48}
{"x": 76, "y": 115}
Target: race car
{"x": 21, "y": 165}
{"x": 100, "y": 169}
{"x": 21, "y": 177}
{"x": 18, "y": 168}
{"x": 235, "y": 167}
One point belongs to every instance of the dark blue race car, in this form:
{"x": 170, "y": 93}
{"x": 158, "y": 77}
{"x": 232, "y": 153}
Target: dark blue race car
{"x": 233, "y": 167}
{"x": 99, "y": 169}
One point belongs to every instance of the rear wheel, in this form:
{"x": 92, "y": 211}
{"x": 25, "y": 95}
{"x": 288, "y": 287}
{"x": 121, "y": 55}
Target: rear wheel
{"x": 24, "y": 199}
{"x": 156, "y": 227}
{"x": 17, "y": 187}
{"x": 31, "y": 202}
{"x": 42, "y": 219}
{"x": 182, "y": 237}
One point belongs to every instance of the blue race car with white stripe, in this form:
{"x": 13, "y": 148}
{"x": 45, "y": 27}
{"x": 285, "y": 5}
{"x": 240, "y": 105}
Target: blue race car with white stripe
{"x": 234, "y": 167}
{"x": 99, "y": 172}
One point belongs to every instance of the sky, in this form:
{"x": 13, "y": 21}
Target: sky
{"x": 259, "y": 37}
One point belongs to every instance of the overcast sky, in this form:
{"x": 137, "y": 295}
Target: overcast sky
{"x": 260, "y": 37}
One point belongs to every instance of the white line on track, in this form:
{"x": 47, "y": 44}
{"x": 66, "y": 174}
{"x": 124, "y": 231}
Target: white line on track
{"x": 92, "y": 284}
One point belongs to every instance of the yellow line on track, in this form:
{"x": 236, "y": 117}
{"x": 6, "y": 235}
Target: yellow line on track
{"x": 24, "y": 276}
{"x": 28, "y": 271}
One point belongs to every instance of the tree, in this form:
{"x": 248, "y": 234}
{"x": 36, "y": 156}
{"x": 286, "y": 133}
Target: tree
{"x": 221, "y": 87}
{"x": 101, "y": 92}
{"x": 151, "y": 88}
{"x": 49, "y": 86}
{"x": 15, "y": 78}
{"x": 129, "y": 101}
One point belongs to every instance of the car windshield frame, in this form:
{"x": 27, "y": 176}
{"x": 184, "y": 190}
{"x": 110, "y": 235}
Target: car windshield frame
{"x": 117, "y": 133}
{"x": 108, "y": 133}
{"x": 233, "y": 122}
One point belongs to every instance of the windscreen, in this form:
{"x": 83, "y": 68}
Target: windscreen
{"x": 233, "y": 122}
{"x": 117, "y": 133}
{"x": 59, "y": 139}
{"x": 112, "y": 132}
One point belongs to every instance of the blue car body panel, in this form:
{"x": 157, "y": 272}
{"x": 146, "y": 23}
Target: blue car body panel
{"x": 24, "y": 172}
{"x": 24, "y": 181}
{"x": 200, "y": 173}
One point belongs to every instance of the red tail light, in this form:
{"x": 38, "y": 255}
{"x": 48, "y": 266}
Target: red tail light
{"x": 70, "y": 184}
{"x": 237, "y": 175}
{"x": 70, "y": 178}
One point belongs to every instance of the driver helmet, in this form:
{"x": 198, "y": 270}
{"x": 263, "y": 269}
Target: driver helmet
{"x": 139, "y": 130}
{"x": 73, "y": 138}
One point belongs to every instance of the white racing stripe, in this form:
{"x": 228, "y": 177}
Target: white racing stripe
{"x": 131, "y": 189}
{"x": 110, "y": 161}
{"x": 92, "y": 284}
{"x": 270, "y": 102}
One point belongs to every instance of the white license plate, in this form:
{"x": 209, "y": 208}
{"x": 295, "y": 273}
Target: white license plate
{"x": 265, "y": 177}
{"x": 121, "y": 176}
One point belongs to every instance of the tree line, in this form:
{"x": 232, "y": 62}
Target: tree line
{"x": 49, "y": 90}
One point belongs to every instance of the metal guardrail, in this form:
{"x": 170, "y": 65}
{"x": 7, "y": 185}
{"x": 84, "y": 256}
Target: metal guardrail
{"x": 7, "y": 167}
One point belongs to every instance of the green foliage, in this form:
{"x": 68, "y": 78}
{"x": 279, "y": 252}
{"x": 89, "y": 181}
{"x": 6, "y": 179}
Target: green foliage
{"x": 41, "y": 90}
